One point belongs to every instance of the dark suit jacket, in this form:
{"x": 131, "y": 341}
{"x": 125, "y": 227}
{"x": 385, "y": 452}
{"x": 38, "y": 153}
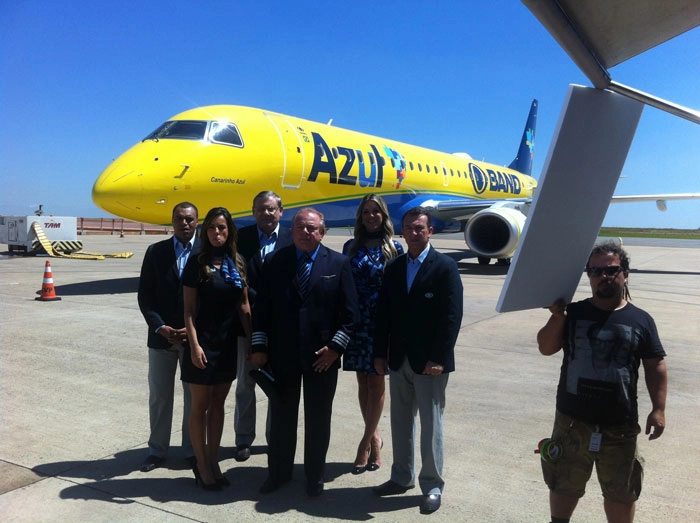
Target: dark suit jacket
{"x": 421, "y": 325}
{"x": 160, "y": 290}
{"x": 248, "y": 245}
{"x": 296, "y": 328}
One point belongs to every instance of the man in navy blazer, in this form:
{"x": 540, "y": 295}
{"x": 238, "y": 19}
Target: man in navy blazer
{"x": 304, "y": 317}
{"x": 419, "y": 315}
{"x": 255, "y": 243}
{"x": 160, "y": 301}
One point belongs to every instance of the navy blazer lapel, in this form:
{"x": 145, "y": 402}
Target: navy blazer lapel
{"x": 172, "y": 259}
{"x": 401, "y": 269}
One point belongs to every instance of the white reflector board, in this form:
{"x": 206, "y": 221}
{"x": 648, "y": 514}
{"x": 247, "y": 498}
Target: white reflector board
{"x": 590, "y": 145}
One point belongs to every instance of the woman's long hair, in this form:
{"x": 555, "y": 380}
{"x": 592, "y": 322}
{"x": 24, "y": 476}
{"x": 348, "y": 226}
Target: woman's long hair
{"x": 388, "y": 248}
{"x": 206, "y": 254}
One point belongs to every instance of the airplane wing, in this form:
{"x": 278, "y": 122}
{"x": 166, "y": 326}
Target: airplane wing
{"x": 598, "y": 35}
{"x": 660, "y": 199}
{"x": 465, "y": 209}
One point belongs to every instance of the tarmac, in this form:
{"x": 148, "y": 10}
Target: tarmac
{"x": 74, "y": 407}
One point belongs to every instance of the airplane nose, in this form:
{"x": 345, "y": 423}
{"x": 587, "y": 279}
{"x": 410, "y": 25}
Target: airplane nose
{"x": 118, "y": 190}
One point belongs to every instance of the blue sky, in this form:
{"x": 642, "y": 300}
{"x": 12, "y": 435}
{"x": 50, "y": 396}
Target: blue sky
{"x": 81, "y": 81}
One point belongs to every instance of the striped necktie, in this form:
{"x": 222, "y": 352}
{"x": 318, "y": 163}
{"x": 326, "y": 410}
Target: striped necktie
{"x": 304, "y": 273}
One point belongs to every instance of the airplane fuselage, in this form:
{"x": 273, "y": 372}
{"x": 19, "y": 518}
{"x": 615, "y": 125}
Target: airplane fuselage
{"x": 224, "y": 155}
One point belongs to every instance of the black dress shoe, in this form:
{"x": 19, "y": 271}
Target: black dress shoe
{"x": 223, "y": 481}
{"x": 271, "y": 485}
{"x": 314, "y": 490}
{"x": 390, "y": 488}
{"x": 151, "y": 462}
{"x": 242, "y": 453}
{"x": 430, "y": 503}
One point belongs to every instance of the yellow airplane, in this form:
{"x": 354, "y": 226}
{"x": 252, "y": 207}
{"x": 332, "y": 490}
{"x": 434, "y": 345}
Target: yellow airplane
{"x": 224, "y": 155}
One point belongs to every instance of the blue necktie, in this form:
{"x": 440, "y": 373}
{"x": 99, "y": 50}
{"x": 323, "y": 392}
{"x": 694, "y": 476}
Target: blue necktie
{"x": 182, "y": 259}
{"x": 304, "y": 273}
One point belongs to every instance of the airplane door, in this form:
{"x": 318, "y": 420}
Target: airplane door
{"x": 292, "y": 151}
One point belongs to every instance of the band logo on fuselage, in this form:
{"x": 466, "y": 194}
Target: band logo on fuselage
{"x": 495, "y": 181}
{"x": 325, "y": 163}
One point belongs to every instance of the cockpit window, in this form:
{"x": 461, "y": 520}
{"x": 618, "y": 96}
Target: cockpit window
{"x": 180, "y": 130}
{"x": 226, "y": 133}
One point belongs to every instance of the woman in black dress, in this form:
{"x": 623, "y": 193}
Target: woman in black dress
{"x": 215, "y": 295}
{"x": 369, "y": 251}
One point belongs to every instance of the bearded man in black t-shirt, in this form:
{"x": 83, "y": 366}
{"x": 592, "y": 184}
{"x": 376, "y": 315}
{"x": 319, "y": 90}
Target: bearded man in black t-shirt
{"x": 604, "y": 339}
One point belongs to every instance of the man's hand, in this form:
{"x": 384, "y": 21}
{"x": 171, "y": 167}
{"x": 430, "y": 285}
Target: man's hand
{"x": 326, "y": 358}
{"x": 558, "y": 308}
{"x": 656, "y": 422}
{"x": 173, "y": 336}
{"x": 433, "y": 368}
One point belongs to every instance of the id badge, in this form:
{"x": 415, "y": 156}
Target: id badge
{"x": 594, "y": 445}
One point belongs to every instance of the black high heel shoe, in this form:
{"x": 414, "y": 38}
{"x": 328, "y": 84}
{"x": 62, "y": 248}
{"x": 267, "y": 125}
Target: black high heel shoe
{"x": 206, "y": 486}
{"x": 375, "y": 466}
{"x": 359, "y": 469}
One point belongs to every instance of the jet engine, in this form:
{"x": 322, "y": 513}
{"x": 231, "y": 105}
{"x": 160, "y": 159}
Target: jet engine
{"x": 494, "y": 232}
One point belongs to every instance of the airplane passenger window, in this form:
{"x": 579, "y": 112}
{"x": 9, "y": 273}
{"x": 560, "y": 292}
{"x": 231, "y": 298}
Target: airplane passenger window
{"x": 393, "y": 164}
{"x": 179, "y": 130}
{"x": 452, "y": 173}
{"x": 427, "y": 168}
{"x": 371, "y": 158}
{"x": 410, "y": 165}
{"x": 334, "y": 151}
{"x": 420, "y": 168}
{"x": 225, "y": 133}
{"x": 359, "y": 157}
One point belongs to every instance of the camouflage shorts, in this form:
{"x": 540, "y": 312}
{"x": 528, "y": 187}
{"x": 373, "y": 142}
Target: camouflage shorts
{"x": 618, "y": 465}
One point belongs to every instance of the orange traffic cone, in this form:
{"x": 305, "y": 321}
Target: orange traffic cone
{"x": 48, "y": 293}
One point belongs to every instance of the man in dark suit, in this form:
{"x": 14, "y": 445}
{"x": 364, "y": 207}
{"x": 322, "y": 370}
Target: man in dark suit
{"x": 304, "y": 317}
{"x": 160, "y": 301}
{"x": 255, "y": 242}
{"x": 419, "y": 314}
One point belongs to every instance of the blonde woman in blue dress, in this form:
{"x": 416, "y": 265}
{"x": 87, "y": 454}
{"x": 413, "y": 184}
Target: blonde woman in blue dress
{"x": 369, "y": 251}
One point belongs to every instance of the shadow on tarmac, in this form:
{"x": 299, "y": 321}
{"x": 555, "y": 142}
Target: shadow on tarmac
{"x": 115, "y": 286}
{"x": 106, "y": 483}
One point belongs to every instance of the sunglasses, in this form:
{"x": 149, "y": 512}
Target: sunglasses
{"x": 610, "y": 271}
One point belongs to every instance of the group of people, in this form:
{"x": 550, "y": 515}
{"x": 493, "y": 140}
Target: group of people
{"x": 266, "y": 297}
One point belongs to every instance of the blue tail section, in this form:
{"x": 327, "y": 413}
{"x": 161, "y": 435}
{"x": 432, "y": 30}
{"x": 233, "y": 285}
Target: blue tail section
{"x": 526, "y": 152}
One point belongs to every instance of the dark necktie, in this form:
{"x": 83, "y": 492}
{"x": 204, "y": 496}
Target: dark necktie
{"x": 304, "y": 273}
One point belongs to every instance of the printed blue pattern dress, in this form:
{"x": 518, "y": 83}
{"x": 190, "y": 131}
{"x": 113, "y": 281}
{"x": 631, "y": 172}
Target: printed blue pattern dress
{"x": 367, "y": 270}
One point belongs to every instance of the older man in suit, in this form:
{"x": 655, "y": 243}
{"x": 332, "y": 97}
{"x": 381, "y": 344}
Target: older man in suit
{"x": 160, "y": 301}
{"x": 255, "y": 243}
{"x": 304, "y": 317}
{"x": 418, "y": 319}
